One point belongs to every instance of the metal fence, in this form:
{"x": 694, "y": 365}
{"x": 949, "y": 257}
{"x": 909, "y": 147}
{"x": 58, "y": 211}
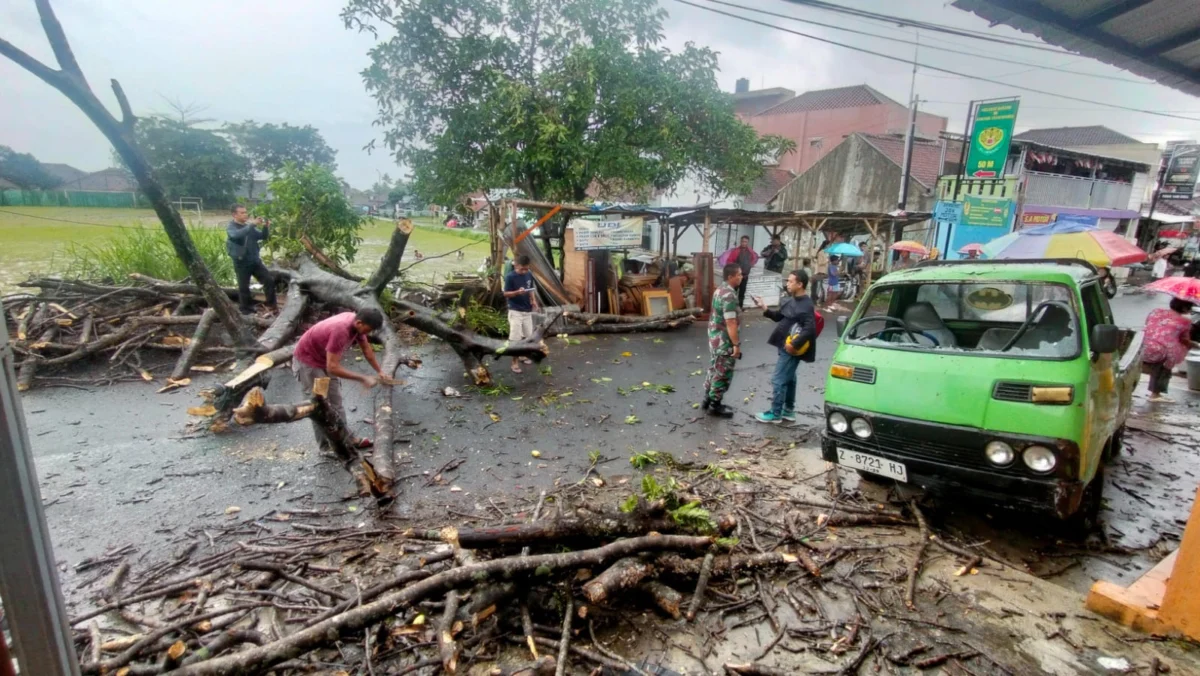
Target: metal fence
{"x": 1075, "y": 191}
{"x": 71, "y": 198}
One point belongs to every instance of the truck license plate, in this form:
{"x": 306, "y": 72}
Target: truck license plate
{"x": 873, "y": 464}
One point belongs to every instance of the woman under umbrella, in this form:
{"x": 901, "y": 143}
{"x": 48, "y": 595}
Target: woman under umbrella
{"x": 1168, "y": 333}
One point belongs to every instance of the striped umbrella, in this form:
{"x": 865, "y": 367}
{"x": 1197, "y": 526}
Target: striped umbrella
{"x": 1067, "y": 240}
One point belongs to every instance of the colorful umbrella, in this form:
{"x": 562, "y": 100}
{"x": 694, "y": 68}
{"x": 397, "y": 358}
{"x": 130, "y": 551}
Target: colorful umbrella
{"x": 1066, "y": 240}
{"x": 1183, "y": 288}
{"x": 911, "y": 247}
{"x": 973, "y": 248}
{"x": 844, "y": 249}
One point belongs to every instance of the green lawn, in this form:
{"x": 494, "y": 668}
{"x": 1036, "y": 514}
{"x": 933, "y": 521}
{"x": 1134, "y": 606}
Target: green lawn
{"x": 34, "y": 241}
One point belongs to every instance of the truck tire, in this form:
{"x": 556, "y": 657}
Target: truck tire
{"x": 1086, "y": 519}
{"x": 1115, "y": 445}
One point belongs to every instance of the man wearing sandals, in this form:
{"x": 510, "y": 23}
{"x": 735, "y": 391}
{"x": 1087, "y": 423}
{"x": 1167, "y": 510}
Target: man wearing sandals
{"x": 319, "y": 355}
{"x": 522, "y": 302}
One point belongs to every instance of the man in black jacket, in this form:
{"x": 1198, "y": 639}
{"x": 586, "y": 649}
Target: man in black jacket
{"x": 795, "y": 335}
{"x": 242, "y": 238}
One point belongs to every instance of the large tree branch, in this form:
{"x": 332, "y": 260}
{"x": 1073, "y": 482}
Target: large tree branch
{"x": 128, "y": 119}
{"x": 58, "y": 42}
{"x": 390, "y": 264}
{"x": 42, "y": 71}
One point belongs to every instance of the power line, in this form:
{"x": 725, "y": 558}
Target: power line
{"x": 1029, "y": 43}
{"x": 63, "y": 220}
{"x": 936, "y": 68}
{"x": 976, "y": 55}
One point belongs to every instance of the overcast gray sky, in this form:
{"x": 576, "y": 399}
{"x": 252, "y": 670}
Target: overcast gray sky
{"x": 292, "y": 61}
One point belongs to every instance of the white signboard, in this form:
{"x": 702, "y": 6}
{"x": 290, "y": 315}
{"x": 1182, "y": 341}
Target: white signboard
{"x": 610, "y": 233}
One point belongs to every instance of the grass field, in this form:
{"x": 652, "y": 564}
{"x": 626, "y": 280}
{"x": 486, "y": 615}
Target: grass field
{"x": 34, "y": 241}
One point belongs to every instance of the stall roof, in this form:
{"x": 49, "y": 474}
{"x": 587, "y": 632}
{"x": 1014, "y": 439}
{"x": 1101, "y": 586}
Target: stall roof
{"x": 1157, "y": 39}
{"x": 1067, "y": 152}
{"x": 804, "y": 219}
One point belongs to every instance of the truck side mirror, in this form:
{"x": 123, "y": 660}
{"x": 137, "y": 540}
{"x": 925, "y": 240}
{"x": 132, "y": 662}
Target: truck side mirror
{"x": 1106, "y": 338}
{"x": 841, "y": 325}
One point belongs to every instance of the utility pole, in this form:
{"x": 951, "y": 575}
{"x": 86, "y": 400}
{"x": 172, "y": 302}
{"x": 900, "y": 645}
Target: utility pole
{"x": 906, "y": 171}
{"x": 28, "y": 577}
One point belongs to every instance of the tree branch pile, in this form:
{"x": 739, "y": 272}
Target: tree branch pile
{"x": 293, "y": 592}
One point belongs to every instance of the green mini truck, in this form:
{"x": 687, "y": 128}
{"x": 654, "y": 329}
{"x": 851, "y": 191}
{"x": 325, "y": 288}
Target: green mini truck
{"x": 1002, "y": 380}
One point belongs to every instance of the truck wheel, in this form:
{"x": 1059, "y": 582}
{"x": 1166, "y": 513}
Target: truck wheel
{"x": 1086, "y": 519}
{"x": 1115, "y": 444}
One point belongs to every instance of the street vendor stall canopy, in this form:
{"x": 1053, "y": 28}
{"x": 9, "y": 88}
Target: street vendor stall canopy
{"x": 839, "y": 222}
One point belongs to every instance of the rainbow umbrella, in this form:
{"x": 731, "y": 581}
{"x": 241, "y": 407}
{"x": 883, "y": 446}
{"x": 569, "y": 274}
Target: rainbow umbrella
{"x": 911, "y": 247}
{"x": 1067, "y": 240}
{"x": 1183, "y": 288}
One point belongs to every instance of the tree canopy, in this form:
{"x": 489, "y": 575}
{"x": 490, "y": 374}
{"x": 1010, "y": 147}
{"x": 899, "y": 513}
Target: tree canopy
{"x": 307, "y": 201}
{"x": 551, "y": 97}
{"x": 191, "y": 162}
{"x": 268, "y": 147}
{"x": 24, "y": 171}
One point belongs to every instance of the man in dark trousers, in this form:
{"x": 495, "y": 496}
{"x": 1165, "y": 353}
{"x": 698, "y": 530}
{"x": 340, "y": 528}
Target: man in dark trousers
{"x": 242, "y": 245}
{"x": 745, "y": 258}
{"x": 724, "y": 341}
{"x": 775, "y": 255}
{"x": 795, "y": 336}
{"x": 319, "y": 354}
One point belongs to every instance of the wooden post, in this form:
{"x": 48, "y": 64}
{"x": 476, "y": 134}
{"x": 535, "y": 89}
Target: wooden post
{"x": 873, "y": 228}
{"x": 707, "y": 231}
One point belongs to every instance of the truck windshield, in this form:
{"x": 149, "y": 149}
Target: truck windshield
{"x": 1025, "y": 319}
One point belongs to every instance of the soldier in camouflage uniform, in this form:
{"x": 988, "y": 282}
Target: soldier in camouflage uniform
{"x": 723, "y": 341}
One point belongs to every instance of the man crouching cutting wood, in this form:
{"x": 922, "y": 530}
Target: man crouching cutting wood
{"x": 319, "y": 355}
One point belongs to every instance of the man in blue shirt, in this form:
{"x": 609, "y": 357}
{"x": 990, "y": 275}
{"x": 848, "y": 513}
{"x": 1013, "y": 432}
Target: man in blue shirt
{"x": 522, "y": 301}
{"x": 242, "y": 246}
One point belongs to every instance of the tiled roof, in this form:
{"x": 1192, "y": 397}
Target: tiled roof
{"x": 1066, "y": 137}
{"x": 826, "y": 99}
{"x": 63, "y": 172}
{"x": 926, "y": 161}
{"x": 773, "y": 180}
{"x": 758, "y": 93}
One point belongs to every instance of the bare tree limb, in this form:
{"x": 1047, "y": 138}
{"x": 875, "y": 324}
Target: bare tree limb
{"x": 128, "y": 119}
{"x": 58, "y": 42}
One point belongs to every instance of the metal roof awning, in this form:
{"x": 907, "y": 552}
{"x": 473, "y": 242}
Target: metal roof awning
{"x": 1156, "y": 39}
{"x": 813, "y": 220}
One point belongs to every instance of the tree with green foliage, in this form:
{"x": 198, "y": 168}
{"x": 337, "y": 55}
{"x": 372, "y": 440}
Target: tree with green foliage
{"x": 191, "y": 162}
{"x": 308, "y": 201}
{"x": 551, "y": 97}
{"x": 24, "y": 171}
{"x": 268, "y": 147}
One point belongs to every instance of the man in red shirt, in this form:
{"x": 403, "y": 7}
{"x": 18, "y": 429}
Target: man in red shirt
{"x": 319, "y": 355}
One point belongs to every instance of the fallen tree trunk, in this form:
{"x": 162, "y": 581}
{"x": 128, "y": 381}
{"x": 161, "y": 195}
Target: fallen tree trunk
{"x": 594, "y": 318}
{"x": 256, "y": 411}
{"x": 260, "y": 658}
{"x": 164, "y": 287}
{"x": 324, "y": 259}
{"x": 581, "y": 329}
{"x": 193, "y": 348}
{"x": 285, "y": 325}
{"x": 389, "y": 265}
{"x": 225, "y": 397}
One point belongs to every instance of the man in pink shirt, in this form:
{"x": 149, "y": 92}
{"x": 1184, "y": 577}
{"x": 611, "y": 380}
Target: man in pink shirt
{"x": 319, "y": 355}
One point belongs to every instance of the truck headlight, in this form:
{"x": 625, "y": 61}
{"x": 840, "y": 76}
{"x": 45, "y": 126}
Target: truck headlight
{"x": 999, "y": 453}
{"x": 1039, "y": 459}
{"x": 861, "y": 428}
{"x": 838, "y": 423}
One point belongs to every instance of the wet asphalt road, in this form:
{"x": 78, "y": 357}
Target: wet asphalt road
{"x": 120, "y": 465}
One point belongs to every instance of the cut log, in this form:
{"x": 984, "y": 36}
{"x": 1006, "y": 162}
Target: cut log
{"x": 193, "y": 348}
{"x": 30, "y": 365}
{"x": 643, "y": 327}
{"x": 255, "y": 410}
{"x": 259, "y": 659}
{"x": 624, "y": 574}
{"x": 225, "y": 397}
{"x": 594, "y": 318}
{"x": 389, "y": 265}
{"x": 667, "y": 599}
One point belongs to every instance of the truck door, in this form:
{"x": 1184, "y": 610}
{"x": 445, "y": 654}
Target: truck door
{"x": 1104, "y": 396}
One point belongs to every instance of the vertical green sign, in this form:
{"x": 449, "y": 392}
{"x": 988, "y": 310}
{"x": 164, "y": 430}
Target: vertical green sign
{"x": 991, "y": 135}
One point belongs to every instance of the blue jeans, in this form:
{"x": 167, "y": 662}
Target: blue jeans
{"x": 784, "y": 384}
